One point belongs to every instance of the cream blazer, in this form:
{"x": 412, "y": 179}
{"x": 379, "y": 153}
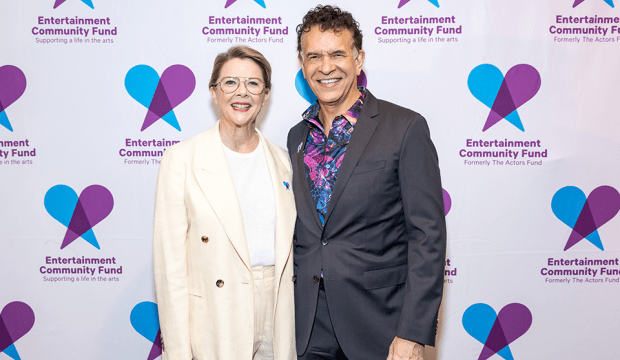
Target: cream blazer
{"x": 203, "y": 275}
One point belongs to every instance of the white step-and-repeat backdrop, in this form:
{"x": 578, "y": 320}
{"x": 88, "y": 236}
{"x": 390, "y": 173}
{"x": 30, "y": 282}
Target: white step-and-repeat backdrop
{"x": 521, "y": 98}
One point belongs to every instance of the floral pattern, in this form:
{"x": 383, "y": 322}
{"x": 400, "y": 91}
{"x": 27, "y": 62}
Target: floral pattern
{"x": 323, "y": 155}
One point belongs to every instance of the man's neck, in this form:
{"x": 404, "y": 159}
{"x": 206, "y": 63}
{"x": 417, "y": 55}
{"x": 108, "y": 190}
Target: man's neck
{"x": 329, "y": 112}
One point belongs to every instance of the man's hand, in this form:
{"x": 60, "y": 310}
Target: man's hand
{"x": 402, "y": 349}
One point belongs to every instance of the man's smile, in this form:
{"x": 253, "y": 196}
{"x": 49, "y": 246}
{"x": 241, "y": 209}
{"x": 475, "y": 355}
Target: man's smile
{"x": 329, "y": 81}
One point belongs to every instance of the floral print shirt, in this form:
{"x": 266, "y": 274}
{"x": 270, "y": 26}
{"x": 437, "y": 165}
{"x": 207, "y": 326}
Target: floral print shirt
{"x": 323, "y": 155}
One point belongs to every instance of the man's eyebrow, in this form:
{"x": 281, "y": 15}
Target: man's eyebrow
{"x": 335, "y": 52}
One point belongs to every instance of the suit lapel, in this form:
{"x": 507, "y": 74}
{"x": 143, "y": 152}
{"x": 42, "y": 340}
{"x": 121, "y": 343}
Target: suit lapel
{"x": 303, "y": 183}
{"x": 285, "y": 203}
{"x": 362, "y": 133}
{"x": 217, "y": 185}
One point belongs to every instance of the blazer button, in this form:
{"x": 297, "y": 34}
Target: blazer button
{"x": 219, "y": 283}
{"x": 324, "y": 241}
{"x": 315, "y": 278}
{"x": 205, "y": 239}
{"x": 294, "y": 278}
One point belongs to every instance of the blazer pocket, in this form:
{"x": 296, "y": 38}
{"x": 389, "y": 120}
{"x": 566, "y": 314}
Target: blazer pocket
{"x": 377, "y": 165}
{"x": 375, "y": 279}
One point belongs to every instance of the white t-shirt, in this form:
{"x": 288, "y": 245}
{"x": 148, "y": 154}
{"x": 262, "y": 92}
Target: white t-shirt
{"x": 256, "y": 198}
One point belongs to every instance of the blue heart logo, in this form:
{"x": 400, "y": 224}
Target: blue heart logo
{"x": 145, "y": 320}
{"x": 160, "y": 95}
{"x": 504, "y": 94}
{"x": 585, "y": 215}
{"x": 497, "y": 331}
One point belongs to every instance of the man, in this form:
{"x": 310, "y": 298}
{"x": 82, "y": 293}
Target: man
{"x": 370, "y": 233}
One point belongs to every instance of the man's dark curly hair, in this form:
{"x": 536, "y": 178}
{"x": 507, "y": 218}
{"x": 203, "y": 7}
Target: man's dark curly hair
{"x": 329, "y": 18}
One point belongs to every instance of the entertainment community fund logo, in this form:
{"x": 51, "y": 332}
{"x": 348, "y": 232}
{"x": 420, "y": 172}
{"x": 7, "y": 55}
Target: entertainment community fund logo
{"x": 160, "y": 95}
{"x": 399, "y": 30}
{"x": 87, "y": 2}
{"x": 12, "y": 87}
{"x": 434, "y": 2}
{"x": 588, "y": 28}
{"x": 16, "y": 320}
{"x": 497, "y": 331}
{"x": 145, "y": 320}
{"x": 230, "y": 2}
{"x": 503, "y": 95}
{"x": 79, "y": 214}
{"x": 609, "y": 2}
{"x": 64, "y": 28}
{"x": 248, "y": 29}
{"x": 584, "y": 216}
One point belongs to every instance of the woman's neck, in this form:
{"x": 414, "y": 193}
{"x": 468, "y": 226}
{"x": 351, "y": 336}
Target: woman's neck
{"x": 239, "y": 139}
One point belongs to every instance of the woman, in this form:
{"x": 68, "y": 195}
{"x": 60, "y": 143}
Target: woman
{"x": 224, "y": 216}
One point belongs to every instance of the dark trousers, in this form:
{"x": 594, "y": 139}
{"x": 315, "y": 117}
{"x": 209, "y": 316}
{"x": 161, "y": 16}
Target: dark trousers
{"x": 323, "y": 344}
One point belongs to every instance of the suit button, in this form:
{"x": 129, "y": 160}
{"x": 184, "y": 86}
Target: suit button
{"x": 294, "y": 278}
{"x": 205, "y": 239}
{"x": 219, "y": 283}
{"x": 315, "y": 278}
{"x": 324, "y": 241}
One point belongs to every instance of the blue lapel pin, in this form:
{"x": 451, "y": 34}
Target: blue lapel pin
{"x": 299, "y": 147}
{"x": 288, "y": 187}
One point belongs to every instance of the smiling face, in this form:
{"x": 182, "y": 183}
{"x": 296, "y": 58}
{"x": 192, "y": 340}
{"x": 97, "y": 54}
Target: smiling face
{"x": 239, "y": 108}
{"x": 330, "y": 66}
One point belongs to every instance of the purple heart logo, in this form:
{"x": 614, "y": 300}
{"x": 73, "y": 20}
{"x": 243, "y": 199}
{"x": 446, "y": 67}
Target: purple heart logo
{"x": 81, "y": 214}
{"x": 362, "y": 80}
{"x": 504, "y": 95}
{"x": 160, "y": 95}
{"x": 583, "y": 215}
{"x": 602, "y": 205}
{"x": 259, "y": 2}
{"x": 87, "y": 2}
{"x": 447, "y": 201}
{"x": 12, "y": 87}
{"x": 16, "y": 320}
{"x": 403, "y": 2}
{"x": 609, "y": 2}
{"x": 496, "y": 332}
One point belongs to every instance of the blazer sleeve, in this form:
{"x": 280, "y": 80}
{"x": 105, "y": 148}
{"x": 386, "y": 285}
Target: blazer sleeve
{"x": 422, "y": 197}
{"x": 170, "y": 258}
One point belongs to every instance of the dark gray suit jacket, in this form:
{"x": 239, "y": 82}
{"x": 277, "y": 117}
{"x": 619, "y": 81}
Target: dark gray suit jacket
{"x": 382, "y": 249}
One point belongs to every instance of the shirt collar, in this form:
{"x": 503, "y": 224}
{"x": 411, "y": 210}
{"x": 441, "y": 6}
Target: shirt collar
{"x": 311, "y": 114}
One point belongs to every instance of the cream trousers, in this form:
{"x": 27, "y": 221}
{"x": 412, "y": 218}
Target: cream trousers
{"x": 264, "y": 299}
